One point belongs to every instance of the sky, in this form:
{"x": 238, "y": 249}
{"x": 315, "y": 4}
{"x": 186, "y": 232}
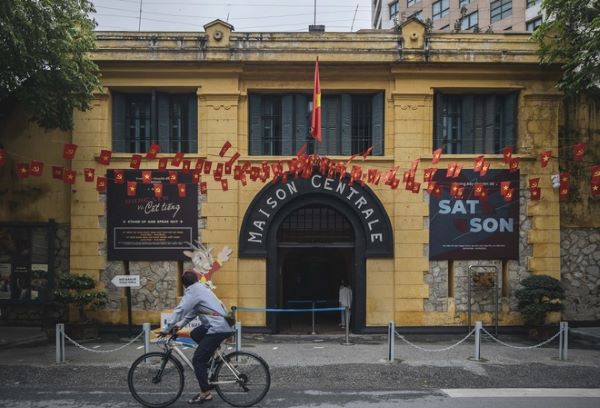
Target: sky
{"x": 244, "y": 15}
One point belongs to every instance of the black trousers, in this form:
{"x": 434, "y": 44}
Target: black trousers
{"x": 207, "y": 344}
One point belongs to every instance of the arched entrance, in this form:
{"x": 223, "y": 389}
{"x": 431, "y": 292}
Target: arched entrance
{"x": 315, "y": 250}
{"x": 317, "y": 223}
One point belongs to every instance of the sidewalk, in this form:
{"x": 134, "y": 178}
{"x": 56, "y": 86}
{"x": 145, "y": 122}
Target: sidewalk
{"x": 307, "y": 350}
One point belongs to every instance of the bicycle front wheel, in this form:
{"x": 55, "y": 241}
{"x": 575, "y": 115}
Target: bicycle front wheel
{"x": 242, "y": 379}
{"x": 155, "y": 380}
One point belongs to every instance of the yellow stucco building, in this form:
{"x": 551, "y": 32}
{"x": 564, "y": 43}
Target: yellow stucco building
{"x": 405, "y": 93}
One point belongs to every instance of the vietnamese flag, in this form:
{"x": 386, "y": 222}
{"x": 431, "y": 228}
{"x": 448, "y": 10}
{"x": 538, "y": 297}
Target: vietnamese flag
{"x": 437, "y": 155}
{"x": 36, "y": 168}
{"x": 437, "y": 191}
{"x": 595, "y": 188}
{"x": 504, "y": 188}
{"x": 509, "y": 195}
{"x": 153, "y": 151}
{"x": 69, "y": 151}
{"x": 69, "y": 176}
{"x": 176, "y": 161}
{"x": 187, "y": 164}
{"x": 454, "y": 187}
{"x": 119, "y": 177}
{"x": 22, "y": 170}
{"x": 136, "y": 159}
{"x": 534, "y": 182}
{"x": 507, "y": 153}
{"x": 203, "y": 187}
{"x": 563, "y": 191}
{"x": 147, "y": 176}
{"x": 484, "y": 168}
{"x": 162, "y": 163}
{"x": 181, "y": 190}
{"x": 158, "y": 190}
{"x": 545, "y": 158}
{"x": 57, "y": 172}
{"x": 224, "y": 149}
{"x": 131, "y": 188}
{"x": 536, "y": 193}
{"x": 315, "y": 124}
{"x": 173, "y": 177}
{"x": 224, "y": 185}
{"x": 105, "y": 156}
{"x": 88, "y": 174}
{"x": 579, "y": 151}
{"x": 101, "y": 184}
{"x": 513, "y": 164}
{"x": 416, "y": 187}
{"x": 196, "y": 176}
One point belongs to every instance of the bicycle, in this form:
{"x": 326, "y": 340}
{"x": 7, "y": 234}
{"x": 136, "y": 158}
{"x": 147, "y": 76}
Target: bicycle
{"x": 156, "y": 379}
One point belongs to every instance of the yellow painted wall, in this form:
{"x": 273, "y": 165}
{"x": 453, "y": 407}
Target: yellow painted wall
{"x": 222, "y": 77}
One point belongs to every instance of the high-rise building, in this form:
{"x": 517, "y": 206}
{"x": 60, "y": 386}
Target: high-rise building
{"x": 464, "y": 15}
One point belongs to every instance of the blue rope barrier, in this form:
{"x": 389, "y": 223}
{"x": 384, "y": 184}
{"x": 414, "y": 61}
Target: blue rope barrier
{"x": 260, "y": 309}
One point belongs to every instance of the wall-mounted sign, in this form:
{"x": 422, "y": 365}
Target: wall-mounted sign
{"x": 470, "y": 228}
{"x": 359, "y": 202}
{"x": 126, "y": 281}
{"x": 146, "y": 228}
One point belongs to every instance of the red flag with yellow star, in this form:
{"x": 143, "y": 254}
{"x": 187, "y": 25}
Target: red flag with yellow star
{"x": 181, "y": 190}
{"x": 545, "y": 158}
{"x": 69, "y": 176}
{"x": 88, "y": 174}
{"x": 131, "y": 188}
{"x": 22, "y": 170}
{"x": 105, "y": 156}
{"x": 315, "y": 123}
{"x": 146, "y": 176}
{"x": 536, "y": 193}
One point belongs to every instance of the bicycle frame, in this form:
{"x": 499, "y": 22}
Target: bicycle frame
{"x": 171, "y": 345}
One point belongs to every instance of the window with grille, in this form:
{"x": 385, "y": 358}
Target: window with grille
{"x": 315, "y": 224}
{"x": 475, "y": 123}
{"x": 350, "y": 123}
{"x": 500, "y": 9}
{"x": 141, "y": 119}
{"x": 470, "y": 21}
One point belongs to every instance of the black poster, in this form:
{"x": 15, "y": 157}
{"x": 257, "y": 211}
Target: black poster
{"x": 470, "y": 228}
{"x": 143, "y": 227}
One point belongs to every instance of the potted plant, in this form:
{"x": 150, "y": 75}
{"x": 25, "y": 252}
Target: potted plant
{"x": 540, "y": 295}
{"x": 80, "y": 290}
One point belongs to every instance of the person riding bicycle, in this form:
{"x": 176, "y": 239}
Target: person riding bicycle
{"x": 199, "y": 300}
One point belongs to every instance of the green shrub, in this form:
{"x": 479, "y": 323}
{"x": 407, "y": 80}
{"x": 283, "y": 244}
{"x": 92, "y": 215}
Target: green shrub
{"x": 540, "y": 295}
{"x": 79, "y": 290}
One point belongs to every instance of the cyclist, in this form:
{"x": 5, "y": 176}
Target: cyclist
{"x": 199, "y": 300}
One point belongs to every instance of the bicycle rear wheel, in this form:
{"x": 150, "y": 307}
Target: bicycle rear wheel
{"x": 244, "y": 380}
{"x": 155, "y": 380}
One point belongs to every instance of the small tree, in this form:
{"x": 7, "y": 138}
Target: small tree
{"x": 540, "y": 295}
{"x": 79, "y": 290}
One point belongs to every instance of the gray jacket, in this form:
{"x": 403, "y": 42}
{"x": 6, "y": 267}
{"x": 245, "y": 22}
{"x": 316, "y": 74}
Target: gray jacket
{"x": 199, "y": 300}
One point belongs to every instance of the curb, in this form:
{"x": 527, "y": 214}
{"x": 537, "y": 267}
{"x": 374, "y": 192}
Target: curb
{"x": 30, "y": 342}
{"x": 587, "y": 338}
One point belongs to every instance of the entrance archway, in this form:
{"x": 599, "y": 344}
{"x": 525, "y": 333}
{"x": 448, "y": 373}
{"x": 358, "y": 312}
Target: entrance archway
{"x": 315, "y": 250}
{"x": 356, "y": 204}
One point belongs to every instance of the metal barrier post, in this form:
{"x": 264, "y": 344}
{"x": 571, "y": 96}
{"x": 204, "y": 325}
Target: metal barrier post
{"x": 238, "y": 336}
{"x": 146, "y": 328}
{"x": 347, "y": 322}
{"x": 564, "y": 343}
{"x": 477, "y": 340}
{"x": 60, "y": 343}
{"x": 391, "y": 341}
{"x": 313, "y": 319}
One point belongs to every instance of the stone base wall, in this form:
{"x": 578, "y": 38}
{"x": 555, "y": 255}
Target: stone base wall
{"x": 580, "y": 270}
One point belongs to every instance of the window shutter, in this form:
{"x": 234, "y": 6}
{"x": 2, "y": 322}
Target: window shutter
{"x": 255, "y": 125}
{"x": 478, "y": 123}
{"x": 377, "y": 124}
{"x": 468, "y": 145}
{"x": 508, "y": 133}
{"x": 490, "y": 124}
{"x": 192, "y": 130}
{"x": 330, "y": 126}
{"x": 119, "y": 127}
{"x": 438, "y": 124}
{"x": 301, "y": 123}
{"x": 346, "y": 124}
{"x": 164, "y": 125}
{"x": 287, "y": 124}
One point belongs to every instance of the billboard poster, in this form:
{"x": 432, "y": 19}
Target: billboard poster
{"x": 147, "y": 227}
{"x": 471, "y": 228}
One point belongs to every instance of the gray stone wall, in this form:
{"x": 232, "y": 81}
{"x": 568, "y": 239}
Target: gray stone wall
{"x": 580, "y": 270}
{"x": 482, "y": 300}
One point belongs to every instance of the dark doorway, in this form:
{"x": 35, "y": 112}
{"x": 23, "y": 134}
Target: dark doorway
{"x": 315, "y": 254}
